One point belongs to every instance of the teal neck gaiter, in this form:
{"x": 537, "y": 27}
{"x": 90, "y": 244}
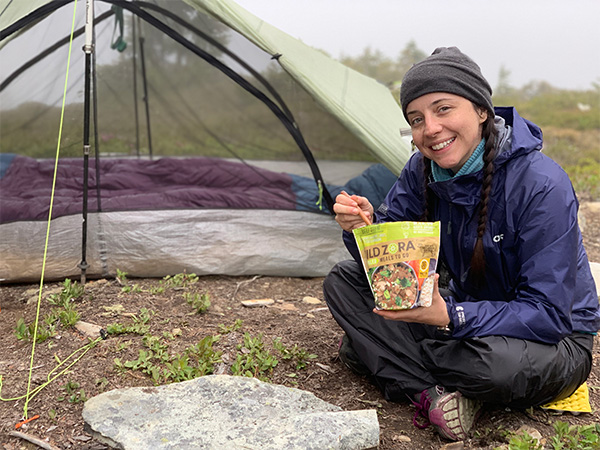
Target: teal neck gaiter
{"x": 473, "y": 164}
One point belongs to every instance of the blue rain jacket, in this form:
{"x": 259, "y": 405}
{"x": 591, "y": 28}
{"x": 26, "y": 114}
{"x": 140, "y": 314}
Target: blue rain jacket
{"x": 538, "y": 281}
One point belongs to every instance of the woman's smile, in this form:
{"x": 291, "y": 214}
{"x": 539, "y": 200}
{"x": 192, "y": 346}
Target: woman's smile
{"x": 442, "y": 145}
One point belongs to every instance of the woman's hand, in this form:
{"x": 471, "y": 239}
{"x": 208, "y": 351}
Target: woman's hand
{"x": 347, "y": 209}
{"x": 436, "y": 314}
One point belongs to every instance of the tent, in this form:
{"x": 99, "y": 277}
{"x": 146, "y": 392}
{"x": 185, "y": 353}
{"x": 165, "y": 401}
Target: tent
{"x": 212, "y": 142}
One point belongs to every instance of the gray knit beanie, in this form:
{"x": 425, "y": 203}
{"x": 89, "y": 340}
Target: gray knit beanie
{"x": 446, "y": 70}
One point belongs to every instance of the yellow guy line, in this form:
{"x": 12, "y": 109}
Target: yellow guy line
{"x": 62, "y": 114}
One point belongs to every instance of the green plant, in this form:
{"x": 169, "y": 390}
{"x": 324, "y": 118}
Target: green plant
{"x": 22, "y": 330}
{"x": 116, "y": 329}
{"x": 71, "y": 291}
{"x": 68, "y": 316}
{"x": 255, "y": 361}
{"x": 231, "y": 328}
{"x": 136, "y": 288}
{"x": 144, "y": 316}
{"x": 200, "y": 302}
{"x": 65, "y": 311}
{"x": 566, "y": 437}
{"x": 121, "y": 277}
{"x": 204, "y": 355}
{"x": 180, "y": 280}
{"x": 74, "y": 396}
{"x": 297, "y": 353}
{"x": 156, "y": 362}
{"x": 25, "y": 332}
{"x": 524, "y": 441}
{"x": 156, "y": 290}
{"x": 584, "y": 437}
{"x": 101, "y": 383}
{"x": 139, "y": 326}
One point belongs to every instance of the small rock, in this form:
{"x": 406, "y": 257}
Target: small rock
{"x": 453, "y": 446}
{"x": 400, "y": 438}
{"x": 311, "y": 300}
{"x": 325, "y": 367}
{"x": 112, "y": 310}
{"x": 287, "y": 307}
{"x": 30, "y": 292}
{"x": 258, "y": 302}
{"x": 82, "y": 438}
{"x": 310, "y": 316}
{"x": 88, "y": 329}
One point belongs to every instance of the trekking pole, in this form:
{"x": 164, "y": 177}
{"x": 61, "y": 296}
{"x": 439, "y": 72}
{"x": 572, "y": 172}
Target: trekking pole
{"x": 88, "y": 48}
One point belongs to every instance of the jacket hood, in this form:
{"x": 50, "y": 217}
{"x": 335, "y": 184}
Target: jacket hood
{"x": 518, "y": 136}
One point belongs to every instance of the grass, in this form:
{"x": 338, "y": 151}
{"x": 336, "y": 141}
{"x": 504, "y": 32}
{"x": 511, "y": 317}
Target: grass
{"x": 63, "y": 313}
{"x": 254, "y": 358}
{"x": 566, "y": 437}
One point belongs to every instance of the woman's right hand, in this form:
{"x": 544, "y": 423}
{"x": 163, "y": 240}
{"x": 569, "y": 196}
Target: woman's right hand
{"x": 347, "y": 209}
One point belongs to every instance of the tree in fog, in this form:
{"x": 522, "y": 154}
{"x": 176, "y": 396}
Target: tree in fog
{"x": 375, "y": 64}
{"x": 503, "y": 88}
{"x": 411, "y": 54}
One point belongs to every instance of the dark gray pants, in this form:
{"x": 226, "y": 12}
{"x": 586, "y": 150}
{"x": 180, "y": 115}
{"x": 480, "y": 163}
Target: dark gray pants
{"x": 406, "y": 358}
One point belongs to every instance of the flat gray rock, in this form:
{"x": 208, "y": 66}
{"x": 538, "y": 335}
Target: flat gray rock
{"x": 226, "y": 412}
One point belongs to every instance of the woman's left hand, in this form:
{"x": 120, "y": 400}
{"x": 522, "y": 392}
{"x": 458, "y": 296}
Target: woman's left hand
{"x": 436, "y": 314}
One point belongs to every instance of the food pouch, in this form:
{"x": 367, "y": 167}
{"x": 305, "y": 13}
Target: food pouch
{"x": 400, "y": 259}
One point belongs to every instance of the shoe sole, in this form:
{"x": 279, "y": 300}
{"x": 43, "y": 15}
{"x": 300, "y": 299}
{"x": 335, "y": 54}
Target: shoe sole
{"x": 454, "y": 415}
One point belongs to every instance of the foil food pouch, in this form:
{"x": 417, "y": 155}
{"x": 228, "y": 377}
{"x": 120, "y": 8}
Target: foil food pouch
{"x": 400, "y": 259}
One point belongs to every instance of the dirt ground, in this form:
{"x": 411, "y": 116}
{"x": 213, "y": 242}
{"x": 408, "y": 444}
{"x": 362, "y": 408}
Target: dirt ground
{"x": 295, "y": 317}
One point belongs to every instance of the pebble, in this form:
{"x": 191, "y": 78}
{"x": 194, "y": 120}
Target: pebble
{"x": 90, "y": 330}
{"x": 531, "y": 432}
{"x": 287, "y": 307}
{"x": 311, "y": 300}
{"x": 401, "y": 438}
{"x": 258, "y": 302}
{"x": 453, "y": 446}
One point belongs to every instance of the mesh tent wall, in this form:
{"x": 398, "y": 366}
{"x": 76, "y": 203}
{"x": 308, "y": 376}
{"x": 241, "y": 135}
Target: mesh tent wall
{"x": 348, "y": 121}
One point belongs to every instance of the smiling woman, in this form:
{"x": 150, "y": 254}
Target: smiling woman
{"x": 515, "y": 324}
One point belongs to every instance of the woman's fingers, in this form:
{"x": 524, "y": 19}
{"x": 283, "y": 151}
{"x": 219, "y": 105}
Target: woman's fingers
{"x": 352, "y": 211}
{"x": 436, "y": 314}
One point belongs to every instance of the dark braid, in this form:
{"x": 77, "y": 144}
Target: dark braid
{"x": 490, "y": 133}
{"x": 426, "y": 176}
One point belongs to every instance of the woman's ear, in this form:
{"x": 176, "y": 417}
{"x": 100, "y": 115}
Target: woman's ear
{"x": 483, "y": 114}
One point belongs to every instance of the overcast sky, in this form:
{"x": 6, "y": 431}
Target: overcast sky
{"x": 553, "y": 40}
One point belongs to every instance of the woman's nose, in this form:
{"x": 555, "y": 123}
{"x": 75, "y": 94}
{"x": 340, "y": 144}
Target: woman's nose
{"x": 432, "y": 126}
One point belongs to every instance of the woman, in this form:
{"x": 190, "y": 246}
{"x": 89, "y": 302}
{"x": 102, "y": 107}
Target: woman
{"x": 516, "y": 324}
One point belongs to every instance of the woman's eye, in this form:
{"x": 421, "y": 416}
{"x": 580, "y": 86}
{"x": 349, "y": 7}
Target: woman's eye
{"x": 415, "y": 121}
{"x": 444, "y": 109}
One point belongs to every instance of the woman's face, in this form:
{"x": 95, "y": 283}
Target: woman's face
{"x": 446, "y": 128}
